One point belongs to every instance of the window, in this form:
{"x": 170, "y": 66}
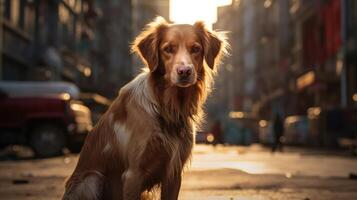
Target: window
{"x": 78, "y": 7}
{"x": 15, "y": 12}
{"x": 7, "y": 7}
{"x": 29, "y": 17}
{"x": 75, "y": 5}
{"x": 66, "y": 27}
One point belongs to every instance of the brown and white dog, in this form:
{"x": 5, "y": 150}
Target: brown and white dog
{"x": 145, "y": 138}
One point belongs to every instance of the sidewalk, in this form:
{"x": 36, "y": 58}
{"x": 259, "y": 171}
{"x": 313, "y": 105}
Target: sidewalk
{"x": 254, "y": 173}
{"x": 257, "y": 159}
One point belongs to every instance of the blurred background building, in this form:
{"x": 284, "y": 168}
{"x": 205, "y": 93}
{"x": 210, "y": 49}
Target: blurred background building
{"x": 85, "y": 42}
{"x": 46, "y": 40}
{"x": 288, "y": 56}
{"x": 113, "y": 33}
{"x": 144, "y": 11}
{"x": 288, "y": 51}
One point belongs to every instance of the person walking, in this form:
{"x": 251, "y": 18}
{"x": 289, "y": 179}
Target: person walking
{"x": 278, "y": 128}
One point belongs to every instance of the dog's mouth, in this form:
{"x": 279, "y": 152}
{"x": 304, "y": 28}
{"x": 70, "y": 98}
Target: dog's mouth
{"x": 185, "y": 82}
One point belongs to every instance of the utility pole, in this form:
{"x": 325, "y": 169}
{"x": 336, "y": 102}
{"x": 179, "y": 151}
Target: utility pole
{"x": 1, "y": 36}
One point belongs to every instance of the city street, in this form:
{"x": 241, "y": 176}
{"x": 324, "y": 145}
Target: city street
{"x": 251, "y": 173}
{"x": 273, "y": 71}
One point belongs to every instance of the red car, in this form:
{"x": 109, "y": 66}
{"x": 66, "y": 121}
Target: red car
{"x": 47, "y": 122}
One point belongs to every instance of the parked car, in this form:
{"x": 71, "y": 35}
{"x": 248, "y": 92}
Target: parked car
{"x": 45, "y": 121}
{"x": 296, "y": 130}
{"x": 333, "y": 127}
{"x": 241, "y": 128}
{"x": 36, "y": 88}
{"x": 266, "y": 135}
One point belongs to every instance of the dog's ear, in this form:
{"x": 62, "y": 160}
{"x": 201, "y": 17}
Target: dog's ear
{"x": 214, "y": 44}
{"x": 146, "y": 44}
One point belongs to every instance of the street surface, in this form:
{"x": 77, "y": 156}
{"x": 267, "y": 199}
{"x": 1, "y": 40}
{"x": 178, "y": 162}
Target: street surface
{"x": 216, "y": 173}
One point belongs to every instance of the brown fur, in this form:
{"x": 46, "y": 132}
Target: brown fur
{"x": 145, "y": 138}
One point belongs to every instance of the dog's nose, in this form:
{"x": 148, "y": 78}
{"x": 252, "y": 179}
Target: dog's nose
{"x": 184, "y": 71}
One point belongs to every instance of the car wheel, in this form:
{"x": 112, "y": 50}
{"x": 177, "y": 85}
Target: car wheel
{"x": 48, "y": 140}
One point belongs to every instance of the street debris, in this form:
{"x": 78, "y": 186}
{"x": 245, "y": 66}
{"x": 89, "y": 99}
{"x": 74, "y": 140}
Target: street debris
{"x": 20, "y": 181}
{"x": 353, "y": 176}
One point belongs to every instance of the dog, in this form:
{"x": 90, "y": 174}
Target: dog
{"x": 145, "y": 138}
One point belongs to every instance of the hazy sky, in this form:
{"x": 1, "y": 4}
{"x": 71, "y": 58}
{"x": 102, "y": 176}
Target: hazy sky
{"x": 189, "y": 11}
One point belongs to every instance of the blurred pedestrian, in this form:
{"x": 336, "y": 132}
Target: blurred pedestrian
{"x": 278, "y": 128}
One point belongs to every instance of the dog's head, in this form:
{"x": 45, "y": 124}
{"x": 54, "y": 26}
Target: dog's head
{"x": 179, "y": 52}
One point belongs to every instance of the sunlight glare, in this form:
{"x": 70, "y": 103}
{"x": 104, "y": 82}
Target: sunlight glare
{"x": 190, "y": 11}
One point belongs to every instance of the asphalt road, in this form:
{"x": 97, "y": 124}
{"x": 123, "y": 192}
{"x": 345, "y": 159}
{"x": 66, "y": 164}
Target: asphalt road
{"x": 215, "y": 173}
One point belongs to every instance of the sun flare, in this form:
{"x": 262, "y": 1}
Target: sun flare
{"x": 189, "y": 11}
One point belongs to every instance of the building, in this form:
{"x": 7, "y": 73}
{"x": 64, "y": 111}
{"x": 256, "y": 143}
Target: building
{"x": 144, "y": 11}
{"x": 46, "y": 40}
{"x": 313, "y": 67}
{"x": 228, "y": 85}
{"x": 111, "y": 52}
{"x": 349, "y": 42}
{"x": 86, "y": 42}
{"x": 288, "y": 56}
{"x": 323, "y": 64}
{"x": 249, "y": 74}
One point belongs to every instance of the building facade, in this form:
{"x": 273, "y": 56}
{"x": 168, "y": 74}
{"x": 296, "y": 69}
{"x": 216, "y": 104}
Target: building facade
{"x": 288, "y": 56}
{"x": 86, "y": 42}
{"x": 248, "y": 74}
{"x": 111, "y": 51}
{"x": 46, "y": 40}
{"x": 323, "y": 64}
{"x": 144, "y": 11}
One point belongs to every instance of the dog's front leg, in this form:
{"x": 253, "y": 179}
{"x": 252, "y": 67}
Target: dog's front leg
{"x": 132, "y": 180}
{"x": 170, "y": 188}
{"x": 89, "y": 186}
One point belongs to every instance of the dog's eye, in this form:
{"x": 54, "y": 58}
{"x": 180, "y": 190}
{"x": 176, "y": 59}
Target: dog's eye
{"x": 195, "y": 49}
{"x": 169, "y": 49}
